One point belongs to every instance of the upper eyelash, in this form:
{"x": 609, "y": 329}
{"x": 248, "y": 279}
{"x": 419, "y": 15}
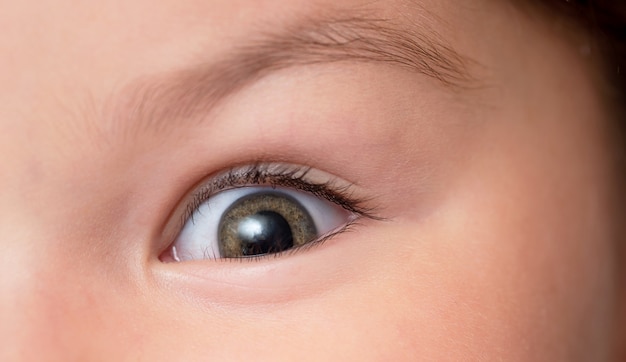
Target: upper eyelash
{"x": 274, "y": 175}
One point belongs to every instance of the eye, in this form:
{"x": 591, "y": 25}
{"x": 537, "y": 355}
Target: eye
{"x": 256, "y": 220}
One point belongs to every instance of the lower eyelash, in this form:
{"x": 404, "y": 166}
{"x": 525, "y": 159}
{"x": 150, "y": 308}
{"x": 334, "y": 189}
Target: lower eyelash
{"x": 314, "y": 243}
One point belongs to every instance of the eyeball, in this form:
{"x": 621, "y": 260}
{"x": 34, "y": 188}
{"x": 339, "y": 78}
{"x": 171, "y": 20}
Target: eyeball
{"x": 254, "y": 221}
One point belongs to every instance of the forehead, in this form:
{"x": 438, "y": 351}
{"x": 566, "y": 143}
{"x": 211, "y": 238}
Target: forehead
{"x": 66, "y": 64}
{"x": 67, "y": 61}
{"x": 67, "y": 68}
{"x": 114, "y": 40}
{"x": 139, "y": 36}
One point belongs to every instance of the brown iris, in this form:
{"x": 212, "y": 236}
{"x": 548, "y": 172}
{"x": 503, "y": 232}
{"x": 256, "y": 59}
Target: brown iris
{"x": 264, "y": 223}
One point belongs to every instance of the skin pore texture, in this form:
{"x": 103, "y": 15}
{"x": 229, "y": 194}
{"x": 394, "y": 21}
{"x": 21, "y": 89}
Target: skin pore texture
{"x": 472, "y": 132}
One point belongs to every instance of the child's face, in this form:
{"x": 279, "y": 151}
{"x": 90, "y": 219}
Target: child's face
{"x": 466, "y": 139}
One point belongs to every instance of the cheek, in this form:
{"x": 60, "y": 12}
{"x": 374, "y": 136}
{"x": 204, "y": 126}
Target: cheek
{"x": 524, "y": 247}
{"x": 515, "y": 261}
{"x": 471, "y": 291}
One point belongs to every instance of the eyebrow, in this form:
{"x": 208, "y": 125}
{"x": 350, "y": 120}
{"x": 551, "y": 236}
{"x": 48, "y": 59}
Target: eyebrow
{"x": 155, "y": 104}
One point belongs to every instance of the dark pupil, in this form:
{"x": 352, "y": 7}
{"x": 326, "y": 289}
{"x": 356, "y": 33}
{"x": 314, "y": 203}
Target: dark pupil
{"x": 264, "y": 232}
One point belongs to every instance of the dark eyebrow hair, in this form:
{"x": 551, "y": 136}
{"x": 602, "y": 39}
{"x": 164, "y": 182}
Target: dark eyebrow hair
{"x": 195, "y": 91}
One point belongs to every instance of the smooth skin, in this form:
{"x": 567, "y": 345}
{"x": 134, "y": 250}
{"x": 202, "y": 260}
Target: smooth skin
{"x": 497, "y": 232}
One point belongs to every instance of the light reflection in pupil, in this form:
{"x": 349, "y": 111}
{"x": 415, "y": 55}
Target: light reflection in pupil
{"x": 264, "y": 232}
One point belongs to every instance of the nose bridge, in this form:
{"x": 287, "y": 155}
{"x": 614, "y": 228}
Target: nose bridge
{"x": 53, "y": 307}
{"x": 48, "y": 311}
{"x": 32, "y": 309}
{"x": 59, "y": 263}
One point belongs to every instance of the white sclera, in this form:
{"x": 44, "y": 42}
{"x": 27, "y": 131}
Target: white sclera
{"x": 198, "y": 238}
